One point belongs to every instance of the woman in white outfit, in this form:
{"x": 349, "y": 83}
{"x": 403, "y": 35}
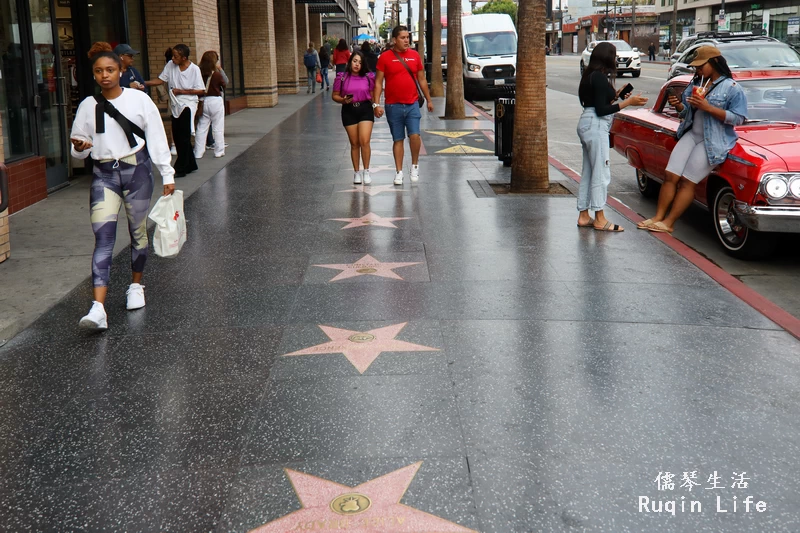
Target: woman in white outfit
{"x": 213, "y": 108}
{"x": 121, "y": 130}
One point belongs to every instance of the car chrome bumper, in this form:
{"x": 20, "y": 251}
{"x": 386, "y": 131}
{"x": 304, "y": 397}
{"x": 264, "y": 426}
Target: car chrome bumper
{"x": 780, "y": 219}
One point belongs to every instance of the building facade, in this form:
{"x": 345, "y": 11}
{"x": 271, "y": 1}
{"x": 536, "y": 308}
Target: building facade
{"x": 777, "y": 18}
{"x": 46, "y": 72}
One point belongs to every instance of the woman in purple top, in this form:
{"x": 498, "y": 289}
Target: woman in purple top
{"x": 353, "y": 89}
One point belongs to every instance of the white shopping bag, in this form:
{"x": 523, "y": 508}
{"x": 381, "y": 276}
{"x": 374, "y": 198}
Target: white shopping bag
{"x": 170, "y": 225}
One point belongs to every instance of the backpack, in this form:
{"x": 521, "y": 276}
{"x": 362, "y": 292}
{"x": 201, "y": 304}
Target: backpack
{"x": 309, "y": 60}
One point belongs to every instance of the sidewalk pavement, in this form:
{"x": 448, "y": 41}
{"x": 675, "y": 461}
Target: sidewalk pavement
{"x": 52, "y": 241}
{"x": 319, "y": 352}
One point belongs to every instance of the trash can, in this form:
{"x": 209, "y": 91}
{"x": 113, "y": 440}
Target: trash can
{"x": 504, "y": 129}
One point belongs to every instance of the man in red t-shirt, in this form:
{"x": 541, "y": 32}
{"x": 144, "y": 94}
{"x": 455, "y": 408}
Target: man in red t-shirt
{"x": 402, "y": 109}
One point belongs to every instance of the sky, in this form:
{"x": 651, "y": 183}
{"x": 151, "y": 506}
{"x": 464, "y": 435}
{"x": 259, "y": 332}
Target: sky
{"x": 379, "y": 8}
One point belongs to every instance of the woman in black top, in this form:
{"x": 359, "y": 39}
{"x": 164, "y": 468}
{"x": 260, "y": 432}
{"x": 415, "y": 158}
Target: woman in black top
{"x": 597, "y": 95}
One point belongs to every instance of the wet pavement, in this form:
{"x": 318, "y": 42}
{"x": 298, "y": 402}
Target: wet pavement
{"x": 479, "y": 364}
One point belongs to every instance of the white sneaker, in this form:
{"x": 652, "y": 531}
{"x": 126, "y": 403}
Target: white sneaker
{"x": 135, "y": 296}
{"x": 96, "y": 319}
{"x": 414, "y": 173}
{"x": 173, "y": 150}
{"x": 356, "y": 178}
{"x": 367, "y": 177}
{"x": 220, "y": 155}
{"x": 398, "y": 178}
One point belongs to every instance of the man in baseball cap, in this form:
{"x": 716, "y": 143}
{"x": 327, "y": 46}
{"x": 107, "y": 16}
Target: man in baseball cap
{"x": 131, "y": 78}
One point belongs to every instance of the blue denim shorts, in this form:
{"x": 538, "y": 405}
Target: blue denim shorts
{"x": 402, "y": 118}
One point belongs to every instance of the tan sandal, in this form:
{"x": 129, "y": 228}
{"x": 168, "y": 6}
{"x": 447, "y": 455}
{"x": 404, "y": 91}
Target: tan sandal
{"x": 614, "y": 228}
{"x": 644, "y": 224}
{"x": 659, "y": 227}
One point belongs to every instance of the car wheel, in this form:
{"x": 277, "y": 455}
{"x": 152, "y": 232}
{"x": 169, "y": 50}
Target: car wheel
{"x": 738, "y": 240}
{"x": 647, "y": 187}
{"x": 636, "y": 74}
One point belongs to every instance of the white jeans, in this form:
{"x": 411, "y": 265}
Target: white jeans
{"x": 214, "y": 116}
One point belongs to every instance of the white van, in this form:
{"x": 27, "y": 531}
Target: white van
{"x": 490, "y": 53}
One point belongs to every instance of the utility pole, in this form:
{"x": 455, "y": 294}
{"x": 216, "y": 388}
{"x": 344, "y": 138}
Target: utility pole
{"x": 633, "y": 22}
{"x": 421, "y": 31}
{"x": 674, "y": 44}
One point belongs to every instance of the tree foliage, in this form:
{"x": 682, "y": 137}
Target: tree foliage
{"x": 383, "y": 30}
{"x": 499, "y": 6}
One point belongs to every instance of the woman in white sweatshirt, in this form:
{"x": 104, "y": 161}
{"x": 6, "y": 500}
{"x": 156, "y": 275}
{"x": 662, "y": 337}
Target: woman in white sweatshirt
{"x": 124, "y": 149}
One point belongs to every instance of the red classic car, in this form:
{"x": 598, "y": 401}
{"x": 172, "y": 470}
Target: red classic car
{"x": 755, "y": 193}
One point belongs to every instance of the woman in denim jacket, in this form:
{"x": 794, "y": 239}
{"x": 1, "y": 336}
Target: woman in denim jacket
{"x": 706, "y": 135}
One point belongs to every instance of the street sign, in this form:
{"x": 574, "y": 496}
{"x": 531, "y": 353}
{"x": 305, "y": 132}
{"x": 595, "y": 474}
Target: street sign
{"x": 723, "y": 24}
{"x": 765, "y": 22}
{"x": 794, "y": 26}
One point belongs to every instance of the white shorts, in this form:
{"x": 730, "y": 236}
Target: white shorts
{"x": 689, "y": 158}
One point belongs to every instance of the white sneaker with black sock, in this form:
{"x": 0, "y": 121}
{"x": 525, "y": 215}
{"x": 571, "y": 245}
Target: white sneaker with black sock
{"x": 414, "y": 173}
{"x": 96, "y": 319}
{"x": 398, "y": 178}
{"x": 356, "y": 177}
{"x": 367, "y": 177}
{"x": 135, "y": 296}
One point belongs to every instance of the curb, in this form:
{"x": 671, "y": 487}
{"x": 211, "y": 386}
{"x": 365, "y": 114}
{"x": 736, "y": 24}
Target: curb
{"x": 766, "y": 307}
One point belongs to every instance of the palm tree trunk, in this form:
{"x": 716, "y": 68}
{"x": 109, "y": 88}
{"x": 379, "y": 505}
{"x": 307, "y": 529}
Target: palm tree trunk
{"x": 529, "y": 168}
{"x": 437, "y": 81}
{"x": 454, "y": 104}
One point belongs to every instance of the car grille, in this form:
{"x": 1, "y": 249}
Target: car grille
{"x": 498, "y": 71}
{"x": 624, "y": 63}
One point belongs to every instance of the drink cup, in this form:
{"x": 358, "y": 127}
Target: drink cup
{"x": 698, "y": 91}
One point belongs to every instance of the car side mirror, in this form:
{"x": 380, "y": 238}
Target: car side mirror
{"x": 635, "y": 49}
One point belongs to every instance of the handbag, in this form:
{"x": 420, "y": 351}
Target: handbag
{"x": 319, "y": 77}
{"x": 162, "y": 93}
{"x": 420, "y": 96}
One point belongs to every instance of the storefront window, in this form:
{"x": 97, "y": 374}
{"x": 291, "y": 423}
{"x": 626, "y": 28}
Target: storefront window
{"x": 231, "y": 46}
{"x": 14, "y": 87}
{"x": 136, "y": 34}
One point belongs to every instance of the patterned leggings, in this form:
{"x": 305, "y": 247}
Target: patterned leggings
{"x": 116, "y": 183}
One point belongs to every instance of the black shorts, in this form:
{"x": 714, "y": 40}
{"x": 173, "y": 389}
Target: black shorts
{"x": 357, "y": 112}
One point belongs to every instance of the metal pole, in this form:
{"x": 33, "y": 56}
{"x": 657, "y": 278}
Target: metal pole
{"x": 633, "y": 22}
{"x": 674, "y": 26}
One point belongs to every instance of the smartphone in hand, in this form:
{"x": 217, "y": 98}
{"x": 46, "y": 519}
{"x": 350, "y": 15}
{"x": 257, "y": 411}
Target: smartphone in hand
{"x": 626, "y": 91}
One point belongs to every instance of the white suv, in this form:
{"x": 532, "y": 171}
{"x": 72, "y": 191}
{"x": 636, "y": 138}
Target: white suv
{"x": 628, "y": 59}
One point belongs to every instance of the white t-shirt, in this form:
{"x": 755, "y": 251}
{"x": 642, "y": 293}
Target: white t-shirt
{"x": 138, "y": 108}
{"x": 190, "y": 79}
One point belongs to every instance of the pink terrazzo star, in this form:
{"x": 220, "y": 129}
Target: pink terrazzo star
{"x": 367, "y": 266}
{"x": 372, "y": 190}
{"x": 362, "y": 348}
{"x": 372, "y": 507}
{"x": 370, "y": 219}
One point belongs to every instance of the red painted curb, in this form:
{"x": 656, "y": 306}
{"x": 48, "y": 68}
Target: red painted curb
{"x": 749, "y": 296}
{"x": 479, "y": 110}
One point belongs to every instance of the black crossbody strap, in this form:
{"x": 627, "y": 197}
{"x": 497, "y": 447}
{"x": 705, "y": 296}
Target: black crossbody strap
{"x": 104, "y": 107}
{"x": 408, "y": 69}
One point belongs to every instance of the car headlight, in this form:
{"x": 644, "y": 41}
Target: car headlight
{"x": 794, "y": 186}
{"x": 473, "y": 68}
{"x": 774, "y": 186}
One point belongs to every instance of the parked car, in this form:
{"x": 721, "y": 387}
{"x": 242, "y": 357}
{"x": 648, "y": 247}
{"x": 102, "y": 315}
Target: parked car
{"x": 755, "y": 193}
{"x": 715, "y": 37}
{"x": 628, "y": 59}
{"x": 743, "y": 55}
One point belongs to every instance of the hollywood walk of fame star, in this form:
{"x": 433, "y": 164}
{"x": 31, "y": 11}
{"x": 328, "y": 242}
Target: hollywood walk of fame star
{"x": 371, "y": 507}
{"x": 367, "y": 265}
{"x": 361, "y": 348}
{"x": 370, "y": 219}
{"x": 381, "y": 168}
{"x": 372, "y": 190}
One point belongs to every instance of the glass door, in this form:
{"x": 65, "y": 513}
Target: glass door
{"x": 50, "y": 94}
